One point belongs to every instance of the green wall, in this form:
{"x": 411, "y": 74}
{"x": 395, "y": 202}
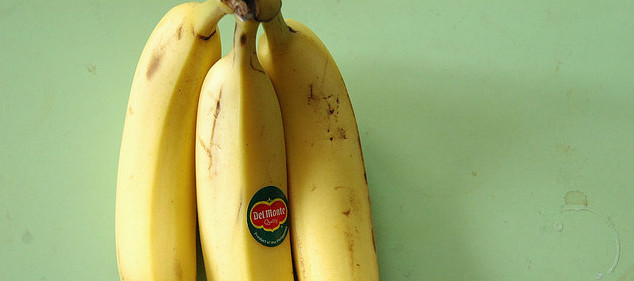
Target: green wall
{"x": 477, "y": 118}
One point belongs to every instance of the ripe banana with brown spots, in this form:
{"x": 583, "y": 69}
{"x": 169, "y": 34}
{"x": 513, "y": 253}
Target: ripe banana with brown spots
{"x": 331, "y": 223}
{"x": 155, "y": 220}
{"x": 243, "y": 214}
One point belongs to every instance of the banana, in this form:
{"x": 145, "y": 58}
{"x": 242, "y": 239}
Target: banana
{"x": 331, "y": 223}
{"x": 243, "y": 213}
{"x": 155, "y": 220}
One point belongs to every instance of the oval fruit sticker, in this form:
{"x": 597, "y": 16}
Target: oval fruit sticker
{"x": 268, "y": 216}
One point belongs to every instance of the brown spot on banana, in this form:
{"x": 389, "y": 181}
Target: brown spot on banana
{"x": 346, "y": 212}
{"x": 350, "y": 241}
{"x": 239, "y": 209}
{"x": 208, "y": 145}
{"x": 311, "y": 94}
{"x": 217, "y": 112}
{"x": 342, "y": 133}
{"x": 243, "y": 39}
{"x": 205, "y": 38}
{"x": 333, "y": 105}
{"x": 155, "y": 62}
{"x": 207, "y": 148}
{"x": 339, "y": 134}
{"x": 179, "y": 32}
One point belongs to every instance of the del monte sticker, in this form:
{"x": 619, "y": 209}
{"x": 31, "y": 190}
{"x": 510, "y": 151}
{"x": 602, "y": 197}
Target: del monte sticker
{"x": 268, "y": 216}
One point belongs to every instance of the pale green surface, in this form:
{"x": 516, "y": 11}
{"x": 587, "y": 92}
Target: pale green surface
{"x": 476, "y": 118}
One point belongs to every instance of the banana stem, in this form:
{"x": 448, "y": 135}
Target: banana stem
{"x": 266, "y": 10}
{"x": 259, "y": 10}
{"x": 243, "y": 8}
{"x": 208, "y": 14}
{"x": 244, "y": 38}
{"x": 277, "y": 31}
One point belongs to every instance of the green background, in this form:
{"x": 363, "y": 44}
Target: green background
{"x": 476, "y": 118}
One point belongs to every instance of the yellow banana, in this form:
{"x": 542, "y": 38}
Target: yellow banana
{"x": 331, "y": 224}
{"x": 241, "y": 169}
{"x": 155, "y": 221}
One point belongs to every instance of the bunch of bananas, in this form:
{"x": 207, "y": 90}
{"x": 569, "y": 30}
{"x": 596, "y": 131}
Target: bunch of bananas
{"x": 257, "y": 152}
